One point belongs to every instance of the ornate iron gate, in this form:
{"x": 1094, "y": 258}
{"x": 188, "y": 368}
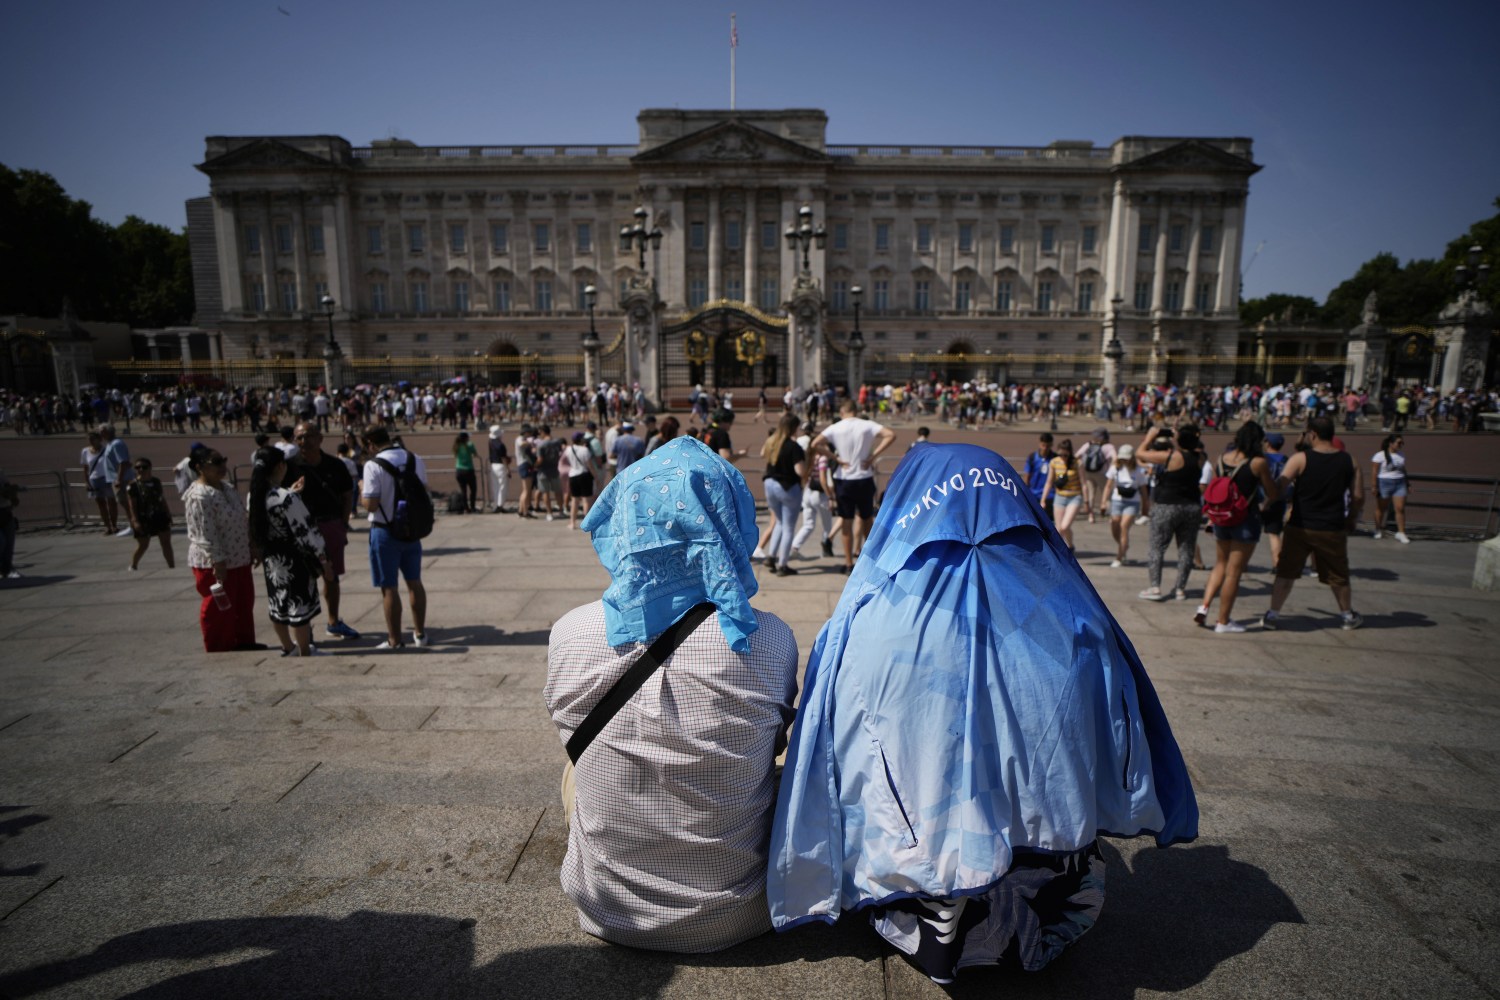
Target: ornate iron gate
{"x": 725, "y": 345}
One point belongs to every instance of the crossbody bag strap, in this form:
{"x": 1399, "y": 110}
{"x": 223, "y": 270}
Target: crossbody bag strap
{"x": 631, "y": 681}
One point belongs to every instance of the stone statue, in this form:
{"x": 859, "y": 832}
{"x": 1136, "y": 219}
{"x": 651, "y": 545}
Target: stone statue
{"x": 1369, "y": 315}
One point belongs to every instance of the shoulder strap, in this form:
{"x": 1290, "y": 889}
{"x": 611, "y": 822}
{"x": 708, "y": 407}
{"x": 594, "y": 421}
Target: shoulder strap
{"x": 632, "y": 679}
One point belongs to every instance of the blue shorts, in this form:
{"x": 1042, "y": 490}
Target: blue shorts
{"x": 1390, "y": 487}
{"x": 1247, "y": 531}
{"x": 389, "y": 555}
{"x": 1059, "y": 502}
{"x": 1119, "y": 508}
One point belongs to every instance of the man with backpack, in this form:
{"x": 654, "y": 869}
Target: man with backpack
{"x": 400, "y": 513}
{"x": 1096, "y": 459}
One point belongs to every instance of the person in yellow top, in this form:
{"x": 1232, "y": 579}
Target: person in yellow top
{"x": 1065, "y": 486}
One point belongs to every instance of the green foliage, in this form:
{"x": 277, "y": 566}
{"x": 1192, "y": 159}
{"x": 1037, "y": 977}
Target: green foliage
{"x": 51, "y": 248}
{"x": 1275, "y": 308}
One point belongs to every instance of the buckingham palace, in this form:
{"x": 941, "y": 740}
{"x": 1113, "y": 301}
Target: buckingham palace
{"x": 736, "y": 248}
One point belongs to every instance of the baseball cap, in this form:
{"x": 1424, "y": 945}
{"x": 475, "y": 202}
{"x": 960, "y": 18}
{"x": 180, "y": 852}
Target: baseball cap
{"x": 1275, "y": 440}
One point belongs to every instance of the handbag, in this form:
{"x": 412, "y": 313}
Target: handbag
{"x": 632, "y": 679}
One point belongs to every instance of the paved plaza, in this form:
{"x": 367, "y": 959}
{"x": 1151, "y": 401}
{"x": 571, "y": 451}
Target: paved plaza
{"x": 387, "y": 824}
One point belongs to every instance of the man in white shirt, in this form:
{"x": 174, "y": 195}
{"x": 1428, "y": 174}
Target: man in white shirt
{"x": 388, "y": 554}
{"x": 856, "y": 443}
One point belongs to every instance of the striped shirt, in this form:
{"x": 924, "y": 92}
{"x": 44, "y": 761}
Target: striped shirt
{"x": 673, "y": 800}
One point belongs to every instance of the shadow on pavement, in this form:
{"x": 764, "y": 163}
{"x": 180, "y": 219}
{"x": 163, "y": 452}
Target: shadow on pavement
{"x": 1377, "y": 573}
{"x": 489, "y": 635}
{"x": 1166, "y": 926}
{"x": 12, "y": 827}
{"x": 32, "y": 581}
{"x": 451, "y": 550}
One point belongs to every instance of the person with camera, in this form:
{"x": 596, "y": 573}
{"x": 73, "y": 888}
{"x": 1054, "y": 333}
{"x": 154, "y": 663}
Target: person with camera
{"x": 1176, "y": 502}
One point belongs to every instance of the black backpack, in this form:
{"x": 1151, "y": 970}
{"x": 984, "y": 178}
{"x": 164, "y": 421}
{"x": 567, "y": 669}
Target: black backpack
{"x": 1094, "y": 460}
{"x": 414, "y": 516}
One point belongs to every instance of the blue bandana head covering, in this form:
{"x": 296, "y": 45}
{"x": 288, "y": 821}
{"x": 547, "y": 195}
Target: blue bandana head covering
{"x": 675, "y": 529}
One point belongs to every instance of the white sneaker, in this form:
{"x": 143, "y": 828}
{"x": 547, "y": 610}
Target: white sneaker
{"x": 1379, "y": 533}
{"x": 1401, "y": 537}
{"x": 551, "y": 518}
{"x": 419, "y": 639}
{"x": 1223, "y": 627}
{"x": 1115, "y": 564}
{"x": 758, "y": 554}
{"x": 123, "y": 533}
{"x": 388, "y": 645}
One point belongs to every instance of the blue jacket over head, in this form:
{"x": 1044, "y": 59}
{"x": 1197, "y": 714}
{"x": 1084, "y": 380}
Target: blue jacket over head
{"x": 970, "y": 695}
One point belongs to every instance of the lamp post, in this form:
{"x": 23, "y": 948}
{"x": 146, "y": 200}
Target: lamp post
{"x": 640, "y": 235}
{"x": 856, "y": 345}
{"x": 802, "y": 233}
{"x": 332, "y": 353}
{"x": 590, "y": 340}
{"x": 1114, "y": 351}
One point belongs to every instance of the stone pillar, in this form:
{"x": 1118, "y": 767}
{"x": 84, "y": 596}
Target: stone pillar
{"x": 1465, "y": 326}
{"x": 1159, "y": 275}
{"x": 715, "y": 246}
{"x": 642, "y": 338}
{"x": 750, "y": 236}
{"x": 791, "y": 260}
{"x": 804, "y": 355}
{"x": 1364, "y": 365}
{"x": 186, "y": 348}
{"x": 227, "y": 243}
{"x": 1190, "y": 293}
{"x": 1114, "y": 268}
{"x": 265, "y": 218}
{"x": 671, "y": 275}
{"x": 1228, "y": 299}
{"x": 301, "y": 275}
{"x": 151, "y": 347}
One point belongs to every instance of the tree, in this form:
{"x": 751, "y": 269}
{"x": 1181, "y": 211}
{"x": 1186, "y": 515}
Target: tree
{"x": 1415, "y": 293}
{"x": 51, "y": 248}
{"x": 1275, "y": 307}
{"x": 1484, "y": 234}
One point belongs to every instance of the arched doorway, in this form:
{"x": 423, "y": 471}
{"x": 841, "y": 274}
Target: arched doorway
{"x": 960, "y": 366}
{"x": 502, "y": 363}
{"x": 725, "y": 346}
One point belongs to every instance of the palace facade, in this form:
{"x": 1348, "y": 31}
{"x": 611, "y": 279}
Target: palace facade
{"x": 996, "y": 262}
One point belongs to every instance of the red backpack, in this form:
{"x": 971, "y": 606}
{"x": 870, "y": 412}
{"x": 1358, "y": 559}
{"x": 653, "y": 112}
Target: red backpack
{"x": 1223, "y": 503}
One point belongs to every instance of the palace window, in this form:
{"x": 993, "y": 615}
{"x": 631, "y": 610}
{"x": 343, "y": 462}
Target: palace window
{"x": 697, "y": 293}
{"x": 580, "y": 297}
{"x": 502, "y": 296}
{"x": 1147, "y": 238}
{"x": 1003, "y": 296}
{"x": 377, "y": 297}
{"x": 768, "y": 236}
{"x": 1085, "y": 296}
{"x": 1174, "y": 297}
{"x": 924, "y": 237}
{"x": 458, "y": 238}
{"x": 882, "y": 237}
{"x": 841, "y": 236}
{"x": 1049, "y": 239}
{"x": 1174, "y": 238}
{"x": 461, "y": 296}
{"x": 1044, "y": 296}
{"x": 419, "y": 296}
{"x": 499, "y": 237}
{"x": 283, "y": 238}
{"x": 922, "y": 296}
{"x": 882, "y": 296}
{"x": 1007, "y": 239}
{"x": 1142, "y": 296}
{"x": 416, "y": 239}
{"x": 731, "y": 234}
{"x": 1206, "y": 240}
{"x": 375, "y": 239}
{"x": 258, "y": 296}
{"x": 288, "y": 296}
{"x": 320, "y": 291}
{"x": 1090, "y": 239}
{"x": 315, "y": 238}
{"x": 697, "y": 236}
{"x": 543, "y": 295}
{"x": 252, "y": 240}
{"x": 770, "y": 291}
{"x": 962, "y": 294}
{"x": 840, "y": 301}
{"x": 734, "y": 289}
{"x": 966, "y": 237}
{"x": 583, "y": 238}
{"x": 1205, "y": 297}
{"x": 541, "y": 237}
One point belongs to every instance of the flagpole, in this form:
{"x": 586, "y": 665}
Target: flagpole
{"x": 734, "y": 43}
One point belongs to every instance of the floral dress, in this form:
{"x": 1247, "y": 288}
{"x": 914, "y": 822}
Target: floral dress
{"x": 293, "y": 549}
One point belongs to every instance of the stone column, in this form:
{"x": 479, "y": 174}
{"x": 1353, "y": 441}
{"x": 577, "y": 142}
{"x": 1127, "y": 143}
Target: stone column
{"x": 1465, "y": 327}
{"x": 151, "y": 347}
{"x": 804, "y": 335}
{"x": 1190, "y": 293}
{"x": 301, "y": 275}
{"x": 1114, "y": 268}
{"x": 791, "y": 260}
{"x": 266, "y": 220}
{"x": 227, "y": 243}
{"x": 750, "y": 234}
{"x": 1159, "y": 276}
{"x": 186, "y": 348}
{"x": 671, "y": 276}
{"x": 1228, "y": 298}
{"x": 715, "y": 246}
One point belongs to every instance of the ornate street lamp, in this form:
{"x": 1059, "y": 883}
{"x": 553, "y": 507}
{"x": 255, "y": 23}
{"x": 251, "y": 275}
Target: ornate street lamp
{"x": 640, "y": 234}
{"x": 331, "y": 349}
{"x": 803, "y": 233}
{"x": 1114, "y": 351}
{"x": 1473, "y": 273}
{"x": 856, "y": 344}
{"x": 590, "y": 340}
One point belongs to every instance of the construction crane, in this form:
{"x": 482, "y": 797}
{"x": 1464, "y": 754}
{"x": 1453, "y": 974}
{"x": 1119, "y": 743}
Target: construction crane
{"x": 1251, "y": 263}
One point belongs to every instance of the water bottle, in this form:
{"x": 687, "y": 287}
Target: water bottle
{"x": 220, "y": 596}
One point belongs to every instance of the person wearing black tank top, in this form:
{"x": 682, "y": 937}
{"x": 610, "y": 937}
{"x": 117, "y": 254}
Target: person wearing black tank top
{"x": 1176, "y": 510}
{"x": 1330, "y": 497}
{"x": 1246, "y": 464}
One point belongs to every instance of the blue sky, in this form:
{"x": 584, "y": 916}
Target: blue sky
{"x": 1378, "y": 124}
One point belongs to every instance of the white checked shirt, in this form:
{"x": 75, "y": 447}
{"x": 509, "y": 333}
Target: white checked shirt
{"x": 673, "y": 799}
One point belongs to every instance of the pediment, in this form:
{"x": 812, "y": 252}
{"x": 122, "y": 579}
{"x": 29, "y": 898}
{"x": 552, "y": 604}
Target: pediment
{"x": 1191, "y": 156}
{"x": 262, "y": 154}
{"x": 731, "y": 141}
